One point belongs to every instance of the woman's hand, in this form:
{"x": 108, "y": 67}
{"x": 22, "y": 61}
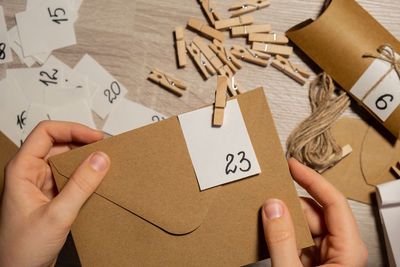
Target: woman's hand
{"x": 331, "y": 222}
{"x": 35, "y": 221}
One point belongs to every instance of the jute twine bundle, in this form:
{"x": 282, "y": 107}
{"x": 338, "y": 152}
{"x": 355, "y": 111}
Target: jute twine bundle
{"x": 312, "y": 142}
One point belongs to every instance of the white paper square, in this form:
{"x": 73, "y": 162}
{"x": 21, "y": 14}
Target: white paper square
{"x": 128, "y": 115}
{"x": 36, "y": 114}
{"x": 216, "y": 152}
{"x": 13, "y": 36}
{"x": 78, "y": 112}
{"x": 5, "y": 51}
{"x": 385, "y": 98}
{"x": 110, "y": 91}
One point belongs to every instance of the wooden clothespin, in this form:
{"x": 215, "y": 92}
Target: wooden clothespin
{"x": 248, "y": 6}
{"x": 346, "y": 150}
{"x": 396, "y": 169}
{"x": 208, "y": 53}
{"x": 225, "y": 55}
{"x": 228, "y": 23}
{"x": 209, "y": 9}
{"x": 201, "y": 61}
{"x": 180, "y": 46}
{"x": 233, "y": 86}
{"x": 206, "y": 30}
{"x": 273, "y": 49}
{"x": 271, "y": 38}
{"x": 296, "y": 73}
{"x": 220, "y": 101}
{"x": 167, "y": 82}
{"x": 250, "y": 56}
{"x": 246, "y": 30}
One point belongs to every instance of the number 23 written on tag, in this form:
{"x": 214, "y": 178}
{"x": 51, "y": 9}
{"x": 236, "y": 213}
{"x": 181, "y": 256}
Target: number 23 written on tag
{"x": 244, "y": 163}
{"x": 113, "y": 92}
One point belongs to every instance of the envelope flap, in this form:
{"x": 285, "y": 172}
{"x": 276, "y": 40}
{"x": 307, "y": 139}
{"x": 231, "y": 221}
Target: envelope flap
{"x": 154, "y": 180}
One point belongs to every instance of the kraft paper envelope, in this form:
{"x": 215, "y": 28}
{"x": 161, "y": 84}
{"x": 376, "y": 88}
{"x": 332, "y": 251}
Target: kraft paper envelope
{"x": 149, "y": 210}
{"x": 337, "y": 41}
{"x": 8, "y": 150}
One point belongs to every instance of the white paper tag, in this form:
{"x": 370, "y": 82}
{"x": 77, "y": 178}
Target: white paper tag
{"x": 219, "y": 155}
{"x": 47, "y": 27}
{"x": 13, "y": 36}
{"x": 110, "y": 91}
{"x": 385, "y": 98}
{"x": 13, "y": 111}
{"x": 5, "y": 51}
{"x": 78, "y": 112}
{"x": 36, "y": 114}
{"x": 129, "y": 115}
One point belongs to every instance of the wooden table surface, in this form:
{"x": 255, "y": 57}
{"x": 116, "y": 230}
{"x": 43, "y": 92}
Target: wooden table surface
{"x": 129, "y": 38}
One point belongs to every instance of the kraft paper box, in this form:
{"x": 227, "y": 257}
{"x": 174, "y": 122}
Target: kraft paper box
{"x": 149, "y": 210}
{"x": 8, "y": 150}
{"x": 337, "y": 41}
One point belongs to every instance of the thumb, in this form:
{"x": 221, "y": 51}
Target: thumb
{"x": 279, "y": 234}
{"x": 86, "y": 178}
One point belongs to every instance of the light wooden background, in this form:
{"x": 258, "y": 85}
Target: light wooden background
{"x": 130, "y": 37}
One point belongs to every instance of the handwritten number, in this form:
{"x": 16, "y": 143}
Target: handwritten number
{"x": 157, "y": 118}
{"x": 56, "y": 14}
{"x": 230, "y": 158}
{"x": 381, "y": 103}
{"x": 51, "y": 79}
{"x": 113, "y": 92}
{"x": 21, "y": 120}
{"x": 243, "y": 159}
{"x": 2, "y": 53}
{"x": 243, "y": 162}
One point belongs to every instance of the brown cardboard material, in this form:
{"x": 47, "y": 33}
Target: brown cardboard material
{"x": 337, "y": 41}
{"x": 149, "y": 210}
{"x": 8, "y": 150}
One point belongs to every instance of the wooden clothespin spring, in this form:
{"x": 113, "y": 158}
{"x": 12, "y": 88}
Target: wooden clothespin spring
{"x": 167, "y": 82}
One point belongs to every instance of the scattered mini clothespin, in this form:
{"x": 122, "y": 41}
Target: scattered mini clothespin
{"x": 396, "y": 169}
{"x": 201, "y": 61}
{"x": 220, "y": 101}
{"x": 225, "y": 55}
{"x": 273, "y": 49}
{"x": 250, "y": 55}
{"x": 167, "y": 82}
{"x": 206, "y": 30}
{"x": 247, "y": 29}
{"x": 180, "y": 46}
{"x": 233, "y": 86}
{"x": 295, "y": 72}
{"x": 208, "y": 53}
{"x": 228, "y": 23}
{"x": 271, "y": 38}
{"x": 248, "y": 6}
{"x": 209, "y": 9}
{"x": 346, "y": 150}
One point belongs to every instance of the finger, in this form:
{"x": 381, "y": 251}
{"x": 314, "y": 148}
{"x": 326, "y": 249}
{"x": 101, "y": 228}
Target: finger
{"x": 80, "y": 186}
{"x": 47, "y": 133}
{"x": 314, "y": 216}
{"x": 339, "y": 218}
{"x": 279, "y": 234}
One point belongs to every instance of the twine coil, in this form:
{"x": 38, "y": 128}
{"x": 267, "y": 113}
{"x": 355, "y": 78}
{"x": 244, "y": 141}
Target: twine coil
{"x": 312, "y": 142}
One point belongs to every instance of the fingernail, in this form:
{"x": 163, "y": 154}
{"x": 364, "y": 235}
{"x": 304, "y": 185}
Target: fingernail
{"x": 273, "y": 209}
{"x": 99, "y": 161}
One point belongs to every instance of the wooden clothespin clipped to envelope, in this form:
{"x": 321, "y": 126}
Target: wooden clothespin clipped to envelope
{"x": 208, "y": 53}
{"x": 250, "y": 56}
{"x": 248, "y": 6}
{"x": 273, "y": 49}
{"x": 346, "y": 150}
{"x": 220, "y": 101}
{"x": 295, "y": 72}
{"x": 248, "y": 29}
{"x": 225, "y": 56}
{"x": 180, "y": 46}
{"x": 233, "y": 86}
{"x": 271, "y": 38}
{"x": 206, "y": 30}
{"x": 211, "y": 12}
{"x": 232, "y": 22}
{"x": 167, "y": 82}
{"x": 201, "y": 61}
{"x": 396, "y": 169}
